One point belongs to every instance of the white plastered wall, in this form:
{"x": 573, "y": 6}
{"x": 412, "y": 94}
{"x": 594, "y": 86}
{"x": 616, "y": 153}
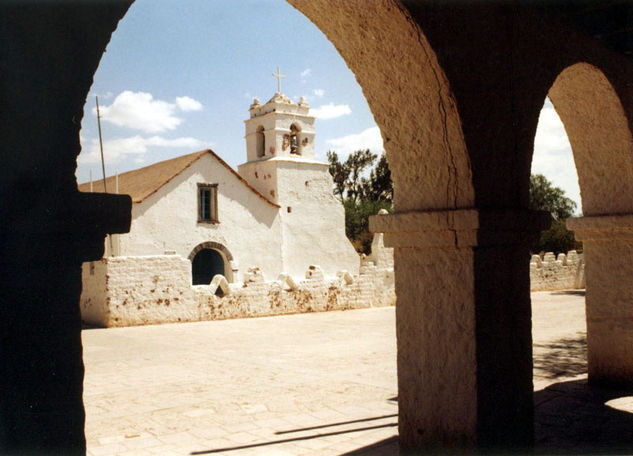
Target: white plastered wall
{"x": 314, "y": 227}
{"x": 249, "y": 227}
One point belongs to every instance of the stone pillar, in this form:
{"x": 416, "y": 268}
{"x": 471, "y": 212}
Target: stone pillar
{"x": 463, "y": 327}
{"x": 608, "y": 256}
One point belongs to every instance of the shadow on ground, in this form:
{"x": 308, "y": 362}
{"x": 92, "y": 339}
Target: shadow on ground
{"x": 387, "y": 447}
{"x": 569, "y": 292}
{"x": 564, "y": 357}
{"x": 572, "y": 418}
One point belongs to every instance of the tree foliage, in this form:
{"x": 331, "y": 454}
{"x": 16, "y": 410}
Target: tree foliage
{"x": 380, "y": 187}
{"x": 363, "y": 189}
{"x": 545, "y": 197}
{"x": 339, "y": 173}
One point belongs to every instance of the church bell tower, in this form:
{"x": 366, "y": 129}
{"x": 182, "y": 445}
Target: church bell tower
{"x": 277, "y": 132}
{"x": 280, "y": 164}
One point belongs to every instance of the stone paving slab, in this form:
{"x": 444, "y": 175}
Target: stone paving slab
{"x": 321, "y": 383}
{"x": 309, "y": 384}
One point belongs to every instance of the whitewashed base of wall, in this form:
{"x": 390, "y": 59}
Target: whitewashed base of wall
{"x": 145, "y": 290}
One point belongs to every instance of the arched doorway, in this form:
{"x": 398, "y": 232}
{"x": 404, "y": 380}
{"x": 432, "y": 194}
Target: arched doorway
{"x": 208, "y": 259}
{"x": 206, "y": 264}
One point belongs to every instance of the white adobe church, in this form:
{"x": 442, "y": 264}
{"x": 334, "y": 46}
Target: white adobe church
{"x": 277, "y": 212}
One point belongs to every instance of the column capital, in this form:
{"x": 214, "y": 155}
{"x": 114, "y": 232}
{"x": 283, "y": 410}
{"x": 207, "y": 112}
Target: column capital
{"x": 459, "y": 228}
{"x": 602, "y": 227}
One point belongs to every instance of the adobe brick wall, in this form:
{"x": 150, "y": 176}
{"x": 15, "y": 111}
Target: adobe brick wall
{"x": 142, "y": 290}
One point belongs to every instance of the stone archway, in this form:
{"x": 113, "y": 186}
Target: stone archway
{"x": 205, "y": 262}
{"x": 602, "y": 145}
{"x": 600, "y": 137}
{"x": 417, "y": 113}
{"x": 409, "y": 96}
{"x": 458, "y": 273}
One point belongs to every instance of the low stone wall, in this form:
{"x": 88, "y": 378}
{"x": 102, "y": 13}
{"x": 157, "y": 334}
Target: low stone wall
{"x": 373, "y": 287}
{"x": 137, "y": 291}
{"x": 552, "y": 273}
{"x": 142, "y": 290}
{"x": 129, "y": 291}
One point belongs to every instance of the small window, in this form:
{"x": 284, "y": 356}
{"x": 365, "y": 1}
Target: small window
{"x": 208, "y": 203}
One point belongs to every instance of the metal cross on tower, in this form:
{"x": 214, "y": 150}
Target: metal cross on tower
{"x": 279, "y": 77}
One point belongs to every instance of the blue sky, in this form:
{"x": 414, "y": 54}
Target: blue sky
{"x": 179, "y": 76}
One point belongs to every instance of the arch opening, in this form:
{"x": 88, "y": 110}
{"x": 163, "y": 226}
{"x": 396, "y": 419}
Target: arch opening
{"x": 443, "y": 180}
{"x": 260, "y": 142}
{"x": 602, "y": 143}
{"x": 553, "y": 183}
{"x": 208, "y": 259}
{"x": 205, "y": 265}
{"x": 587, "y": 342}
{"x": 294, "y": 140}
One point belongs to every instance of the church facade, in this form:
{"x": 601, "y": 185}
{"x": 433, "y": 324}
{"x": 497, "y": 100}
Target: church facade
{"x": 276, "y": 213}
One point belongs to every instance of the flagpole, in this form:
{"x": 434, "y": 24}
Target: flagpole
{"x": 105, "y": 190}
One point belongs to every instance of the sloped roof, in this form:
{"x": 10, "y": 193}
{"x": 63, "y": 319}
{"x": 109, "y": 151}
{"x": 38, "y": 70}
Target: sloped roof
{"x": 143, "y": 182}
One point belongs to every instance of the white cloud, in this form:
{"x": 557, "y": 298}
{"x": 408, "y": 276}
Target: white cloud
{"x": 331, "y": 111}
{"x": 119, "y": 149}
{"x": 552, "y": 153}
{"x": 188, "y": 104}
{"x": 305, "y": 73}
{"x": 319, "y": 92}
{"x": 139, "y": 111}
{"x": 366, "y": 139}
{"x": 550, "y": 132}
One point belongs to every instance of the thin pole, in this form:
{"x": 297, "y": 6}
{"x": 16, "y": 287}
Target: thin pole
{"x": 116, "y": 183}
{"x": 105, "y": 190}
{"x": 91, "y": 189}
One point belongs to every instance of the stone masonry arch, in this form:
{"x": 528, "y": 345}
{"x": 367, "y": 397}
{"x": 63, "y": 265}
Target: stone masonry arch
{"x": 413, "y": 105}
{"x": 409, "y": 96}
{"x": 600, "y": 137}
{"x": 602, "y": 144}
{"x": 454, "y": 88}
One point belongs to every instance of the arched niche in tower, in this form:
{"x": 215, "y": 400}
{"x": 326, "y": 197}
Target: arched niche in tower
{"x": 295, "y": 144}
{"x": 260, "y": 142}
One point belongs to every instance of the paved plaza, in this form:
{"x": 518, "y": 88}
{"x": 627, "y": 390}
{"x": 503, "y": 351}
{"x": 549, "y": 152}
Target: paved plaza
{"x": 309, "y": 384}
{"x": 242, "y": 385}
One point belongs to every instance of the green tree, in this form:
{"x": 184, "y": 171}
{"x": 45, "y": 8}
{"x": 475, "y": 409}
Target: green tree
{"x": 380, "y": 186}
{"x": 545, "y": 197}
{"x": 340, "y": 174}
{"x": 357, "y": 215}
{"x": 361, "y": 196}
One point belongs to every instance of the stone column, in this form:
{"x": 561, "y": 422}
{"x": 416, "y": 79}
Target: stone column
{"x": 463, "y": 327}
{"x": 608, "y": 254}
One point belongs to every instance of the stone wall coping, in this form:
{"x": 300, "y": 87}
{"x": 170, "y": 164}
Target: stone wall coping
{"x": 459, "y": 227}
{"x": 602, "y": 227}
